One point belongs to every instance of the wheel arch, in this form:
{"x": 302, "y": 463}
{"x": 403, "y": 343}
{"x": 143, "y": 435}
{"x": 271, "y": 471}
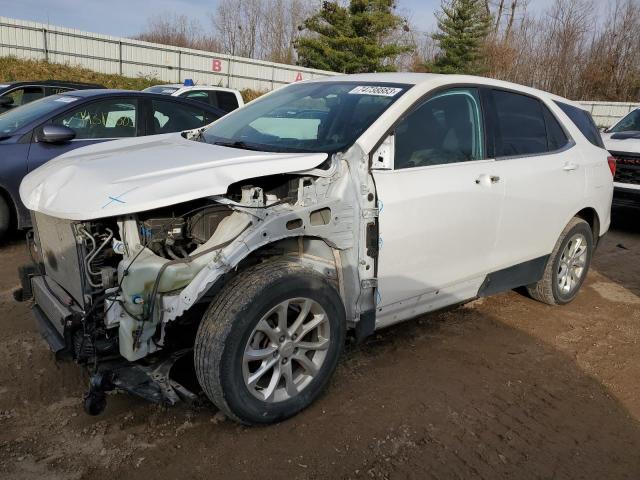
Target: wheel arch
{"x": 13, "y": 207}
{"x": 308, "y": 250}
{"x": 590, "y": 215}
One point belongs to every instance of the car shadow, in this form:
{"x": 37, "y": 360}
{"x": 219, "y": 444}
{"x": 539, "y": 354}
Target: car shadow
{"x": 618, "y": 254}
{"x": 625, "y": 219}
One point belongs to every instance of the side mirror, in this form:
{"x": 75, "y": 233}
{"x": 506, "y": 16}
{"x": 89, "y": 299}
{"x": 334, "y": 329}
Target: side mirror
{"x": 56, "y": 134}
{"x": 382, "y": 158}
{"x": 6, "y": 101}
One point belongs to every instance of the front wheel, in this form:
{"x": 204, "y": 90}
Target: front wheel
{"x": 567, "y": 266}
{"x": 269, "y": 343}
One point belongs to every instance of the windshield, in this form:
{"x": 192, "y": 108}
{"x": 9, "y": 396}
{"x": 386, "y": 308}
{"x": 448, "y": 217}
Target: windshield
{"x": 630, "y": 123}
{"x": 161, "y": 89}
{"x": 15, "y": 119}
{"x": 307, "y": 117}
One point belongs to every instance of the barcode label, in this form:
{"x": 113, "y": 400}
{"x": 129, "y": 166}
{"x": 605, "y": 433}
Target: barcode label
{"x": 375, "y": 90}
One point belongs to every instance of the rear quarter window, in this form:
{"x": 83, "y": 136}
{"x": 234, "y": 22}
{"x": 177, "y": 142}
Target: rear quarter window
{"x": 583, "y": 120}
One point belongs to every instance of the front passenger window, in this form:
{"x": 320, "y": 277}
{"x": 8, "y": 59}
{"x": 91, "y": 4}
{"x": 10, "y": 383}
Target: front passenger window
{"x": 112, "y": 118}
{"x": 447, "y": 128}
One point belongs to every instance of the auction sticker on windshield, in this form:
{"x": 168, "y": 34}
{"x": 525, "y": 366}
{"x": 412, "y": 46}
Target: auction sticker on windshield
{"x": 376, "y": 90}
{"x": 66, "y": 99}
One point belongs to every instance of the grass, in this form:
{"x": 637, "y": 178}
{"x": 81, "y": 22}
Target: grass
{"x": 15, "y": 69}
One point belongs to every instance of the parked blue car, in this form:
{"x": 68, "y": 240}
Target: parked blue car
{"x": 41, "y": 130}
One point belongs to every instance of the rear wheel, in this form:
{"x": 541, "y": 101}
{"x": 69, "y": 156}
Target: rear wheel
{"x": 269, "y": 344}
{"x": 567, "y": 266}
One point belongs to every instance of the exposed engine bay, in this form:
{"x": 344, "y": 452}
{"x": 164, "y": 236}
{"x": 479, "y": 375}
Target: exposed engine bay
{"x": 135, "y": 286}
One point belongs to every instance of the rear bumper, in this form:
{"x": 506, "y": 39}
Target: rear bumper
{"x": 626, "y": 197}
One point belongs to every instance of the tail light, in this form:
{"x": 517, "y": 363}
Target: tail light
{"x": 612, "y": 165}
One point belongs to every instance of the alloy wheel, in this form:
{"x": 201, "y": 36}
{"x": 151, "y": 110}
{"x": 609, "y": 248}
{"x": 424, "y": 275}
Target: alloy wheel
{"x": 286, "y": 350}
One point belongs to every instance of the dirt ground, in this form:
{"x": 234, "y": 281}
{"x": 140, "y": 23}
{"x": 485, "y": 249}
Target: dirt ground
{"x": 502, "y": 387}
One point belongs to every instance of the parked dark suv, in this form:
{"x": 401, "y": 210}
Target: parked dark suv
{"x": 35, "y": 133}
{"x": 16, "y": 94}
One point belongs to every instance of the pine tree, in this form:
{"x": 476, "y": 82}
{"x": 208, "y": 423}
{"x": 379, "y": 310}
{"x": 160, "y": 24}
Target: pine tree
{"x": 463, "y": 27}
{"x": 352, "y": 39}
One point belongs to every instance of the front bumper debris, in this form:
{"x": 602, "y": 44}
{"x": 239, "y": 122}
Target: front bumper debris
{"x": 152, "y": 378}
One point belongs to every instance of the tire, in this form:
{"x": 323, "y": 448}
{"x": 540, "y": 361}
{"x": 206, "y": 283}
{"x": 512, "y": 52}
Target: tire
{"x": 243, "y": 322}
{"x": 552, "y": 289}
{"x": 5, "y": 218}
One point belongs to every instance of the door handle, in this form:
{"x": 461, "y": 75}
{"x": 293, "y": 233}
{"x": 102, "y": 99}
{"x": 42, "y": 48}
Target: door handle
{"x": 569, "y": 166}
{"x": 485, "y": 179}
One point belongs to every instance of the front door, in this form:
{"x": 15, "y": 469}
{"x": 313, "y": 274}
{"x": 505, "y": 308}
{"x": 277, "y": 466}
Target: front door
{"x": 439, "y": 208}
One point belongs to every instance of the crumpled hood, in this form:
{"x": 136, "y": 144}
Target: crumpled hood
{"x": 133, "y": 175}
{"x": 627, "y": 145}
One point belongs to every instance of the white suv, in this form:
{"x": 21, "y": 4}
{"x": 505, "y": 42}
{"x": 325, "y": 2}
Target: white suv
{"x": 226, "y": 99}
{"x": 623, "y": 141}
{"x": 338, "y": 205}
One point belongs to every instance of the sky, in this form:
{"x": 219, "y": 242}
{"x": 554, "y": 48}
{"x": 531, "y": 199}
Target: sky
{"x": 128, "y": 17}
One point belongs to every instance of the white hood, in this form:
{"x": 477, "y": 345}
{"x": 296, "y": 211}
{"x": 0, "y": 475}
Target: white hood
{"x": 628, "y": 145}
{"x": 133, "y": 175}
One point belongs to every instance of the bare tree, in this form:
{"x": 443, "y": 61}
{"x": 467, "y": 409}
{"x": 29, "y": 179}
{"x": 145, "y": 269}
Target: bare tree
{"x": 236, "y": 23}
{"x": 498, "y": 16}
{"x": 512, "y": 16}
{"x": 179, "y": 31}
{"x": 568, "y": 49}
{"x": 282, "y": 20}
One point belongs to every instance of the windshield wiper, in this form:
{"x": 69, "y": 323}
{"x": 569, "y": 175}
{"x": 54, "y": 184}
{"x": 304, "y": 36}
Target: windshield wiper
{"x": 238, "y": 144}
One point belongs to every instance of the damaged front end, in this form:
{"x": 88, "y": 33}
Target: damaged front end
{"x": 124, "y": 295}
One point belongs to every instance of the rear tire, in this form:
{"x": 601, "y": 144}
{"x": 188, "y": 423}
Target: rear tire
{"x": 270, "y": 341}
{"x": 5, "y": 218}
{"x": 567, "y": 266}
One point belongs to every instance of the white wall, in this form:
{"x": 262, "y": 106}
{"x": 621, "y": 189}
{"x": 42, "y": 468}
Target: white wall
{"x": 606, "y": 114}
{"x": 133, "y": 58}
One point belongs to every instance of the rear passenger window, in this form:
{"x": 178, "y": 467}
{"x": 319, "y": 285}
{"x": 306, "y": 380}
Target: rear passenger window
{"x": 226, "y": 101}
{"x": 583, "y": 120}
{"x": 198, "y": 95}
{"x": 170, "y": 117}
{"x": 521, "y": 128}
{"x": 525, "y": 126}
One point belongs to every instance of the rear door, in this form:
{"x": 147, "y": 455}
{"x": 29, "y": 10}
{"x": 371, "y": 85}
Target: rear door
{"x": 93, "y": 122}
{"x": 543, "y": 174}
{"x": 439, "y": 208}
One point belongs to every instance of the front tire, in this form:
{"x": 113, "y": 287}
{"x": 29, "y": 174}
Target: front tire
{"x": 268, "y": 345}
{"x": 567, "y": 266}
